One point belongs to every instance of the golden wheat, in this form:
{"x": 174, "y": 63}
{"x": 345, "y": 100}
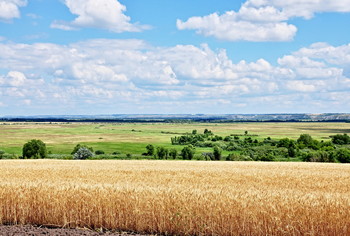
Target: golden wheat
{"x": 177, "y": 197}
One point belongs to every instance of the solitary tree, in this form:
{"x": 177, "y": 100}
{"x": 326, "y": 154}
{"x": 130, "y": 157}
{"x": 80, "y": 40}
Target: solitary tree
{"x": 34, "y": 149}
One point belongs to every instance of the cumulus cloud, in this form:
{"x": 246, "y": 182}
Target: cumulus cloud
{"x": 9, "y": 9}
{"x": 305, "y": 8}
{"x": 125, "y": 75}
{"x": 101, "y": 14}
{"x": 247, "y": 25}
{"x": 260, "y": 20}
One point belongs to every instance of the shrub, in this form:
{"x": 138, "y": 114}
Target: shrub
{"x": 150, "y": 150}
{"x": 317, "y": 156}
{"x": 238, "y": 157}
{"x": 305, "y": 140}
{"x": 128, "y": 156}
{"x": 173, "y": 153}
{"x": 187, "y": 152}
{"x": 60, "y": 156}
{"x": 78, "y": 146}
{"x": 341, "y": 139}
{"x": 99, "y": 152}
{"x": 34, "y": 149}
{"x": 208, "y": 156}
{"x": 217, "y": 153}
{"x": 83, "y": 153}
{"x": 1, "y": 153}
{"x": 343, "y": 155}
{"x": 162, "y": 153}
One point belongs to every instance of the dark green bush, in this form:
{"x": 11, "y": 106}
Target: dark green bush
{"x": 187, "y": 152}
{"x": 343, "y": 155}
{"x": 34, "y": 149}
{"x": 99, "y": 152}
{"x": 341, "y": 139}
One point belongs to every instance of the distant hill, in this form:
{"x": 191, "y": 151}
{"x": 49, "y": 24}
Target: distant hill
{"x": 326, "y": 117}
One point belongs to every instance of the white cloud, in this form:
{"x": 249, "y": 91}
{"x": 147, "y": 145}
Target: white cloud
{"x": 243, "y": 26}
{"x": 16, "y": 78}
{"x": 102, "y": 14}
{"x": 302, "y": 8}
{"x": 9, "y": 9}
{"x": 334, "y": 55}
{"x": 302, "y": 86}
{"x": 130, "y": 74}
{"x": 260, "y": 20}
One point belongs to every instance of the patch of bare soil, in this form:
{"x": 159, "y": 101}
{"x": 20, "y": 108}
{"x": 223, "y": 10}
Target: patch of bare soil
{"x": 29, "y": 230}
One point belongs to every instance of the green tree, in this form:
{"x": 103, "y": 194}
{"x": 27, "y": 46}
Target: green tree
{"x": 83, "y": 153}
{"x": 34, "y": 149}
{"x": 173, "y": 153}
{"x": 78, "y": 146}
{"x": 305, "y": 140}
{"x": 162, "y": 153}
{"x": 285, "y": 142}
{"x": 217, "y": 153}
{"x": 150, "y": 150}
{"x": 343, "y": 155}
{"x": 291, "y": 151}
{"x": 187, "y": 152}
{"x": 341, "y": 139}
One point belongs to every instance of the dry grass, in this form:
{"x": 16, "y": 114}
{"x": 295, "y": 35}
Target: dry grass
{"x": 182, "y": 198}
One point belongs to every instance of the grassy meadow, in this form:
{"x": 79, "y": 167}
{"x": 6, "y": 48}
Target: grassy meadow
{"x": 178, "y": 197}
{"x": 132, "y": 138}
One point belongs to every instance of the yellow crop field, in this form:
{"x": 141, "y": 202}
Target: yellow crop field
{"x": 178, "y": 197}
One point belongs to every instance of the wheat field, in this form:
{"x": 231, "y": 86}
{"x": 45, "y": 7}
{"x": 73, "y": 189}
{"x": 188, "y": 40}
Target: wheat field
{"x": 178, "y": 197}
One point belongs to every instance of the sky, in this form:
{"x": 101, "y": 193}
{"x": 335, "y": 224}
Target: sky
{"x": 89, "y": 57}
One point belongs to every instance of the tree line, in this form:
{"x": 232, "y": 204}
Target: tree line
{"x": 237, "y": 148}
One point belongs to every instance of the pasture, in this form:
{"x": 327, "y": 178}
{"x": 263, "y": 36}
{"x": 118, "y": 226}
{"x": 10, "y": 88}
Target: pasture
{"x": 132, "y": 138}
{"x": 178, "y": 197}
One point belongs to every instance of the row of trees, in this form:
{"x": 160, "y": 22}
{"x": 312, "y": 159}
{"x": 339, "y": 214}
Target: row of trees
{"x": 305, "y": 148}
{"x": 187, "y": 153}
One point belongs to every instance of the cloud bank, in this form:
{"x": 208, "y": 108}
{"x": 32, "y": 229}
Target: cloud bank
{"x": 123, "y": 76}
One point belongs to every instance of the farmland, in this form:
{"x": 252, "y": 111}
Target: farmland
{"x": 132, "y": 138}
{"x": 178, "y": 197}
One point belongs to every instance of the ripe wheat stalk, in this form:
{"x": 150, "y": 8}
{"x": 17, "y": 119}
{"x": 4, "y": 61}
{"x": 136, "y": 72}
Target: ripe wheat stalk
{"x": 177, "y": 197}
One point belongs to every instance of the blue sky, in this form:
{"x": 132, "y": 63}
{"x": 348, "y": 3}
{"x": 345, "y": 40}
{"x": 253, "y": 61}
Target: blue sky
{"x": 61, "y": 57}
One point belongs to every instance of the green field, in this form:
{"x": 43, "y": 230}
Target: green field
{"x": 132, "y": 138}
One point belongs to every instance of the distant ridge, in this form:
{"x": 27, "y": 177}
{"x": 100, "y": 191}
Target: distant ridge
{"x": 302, "y": 117}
